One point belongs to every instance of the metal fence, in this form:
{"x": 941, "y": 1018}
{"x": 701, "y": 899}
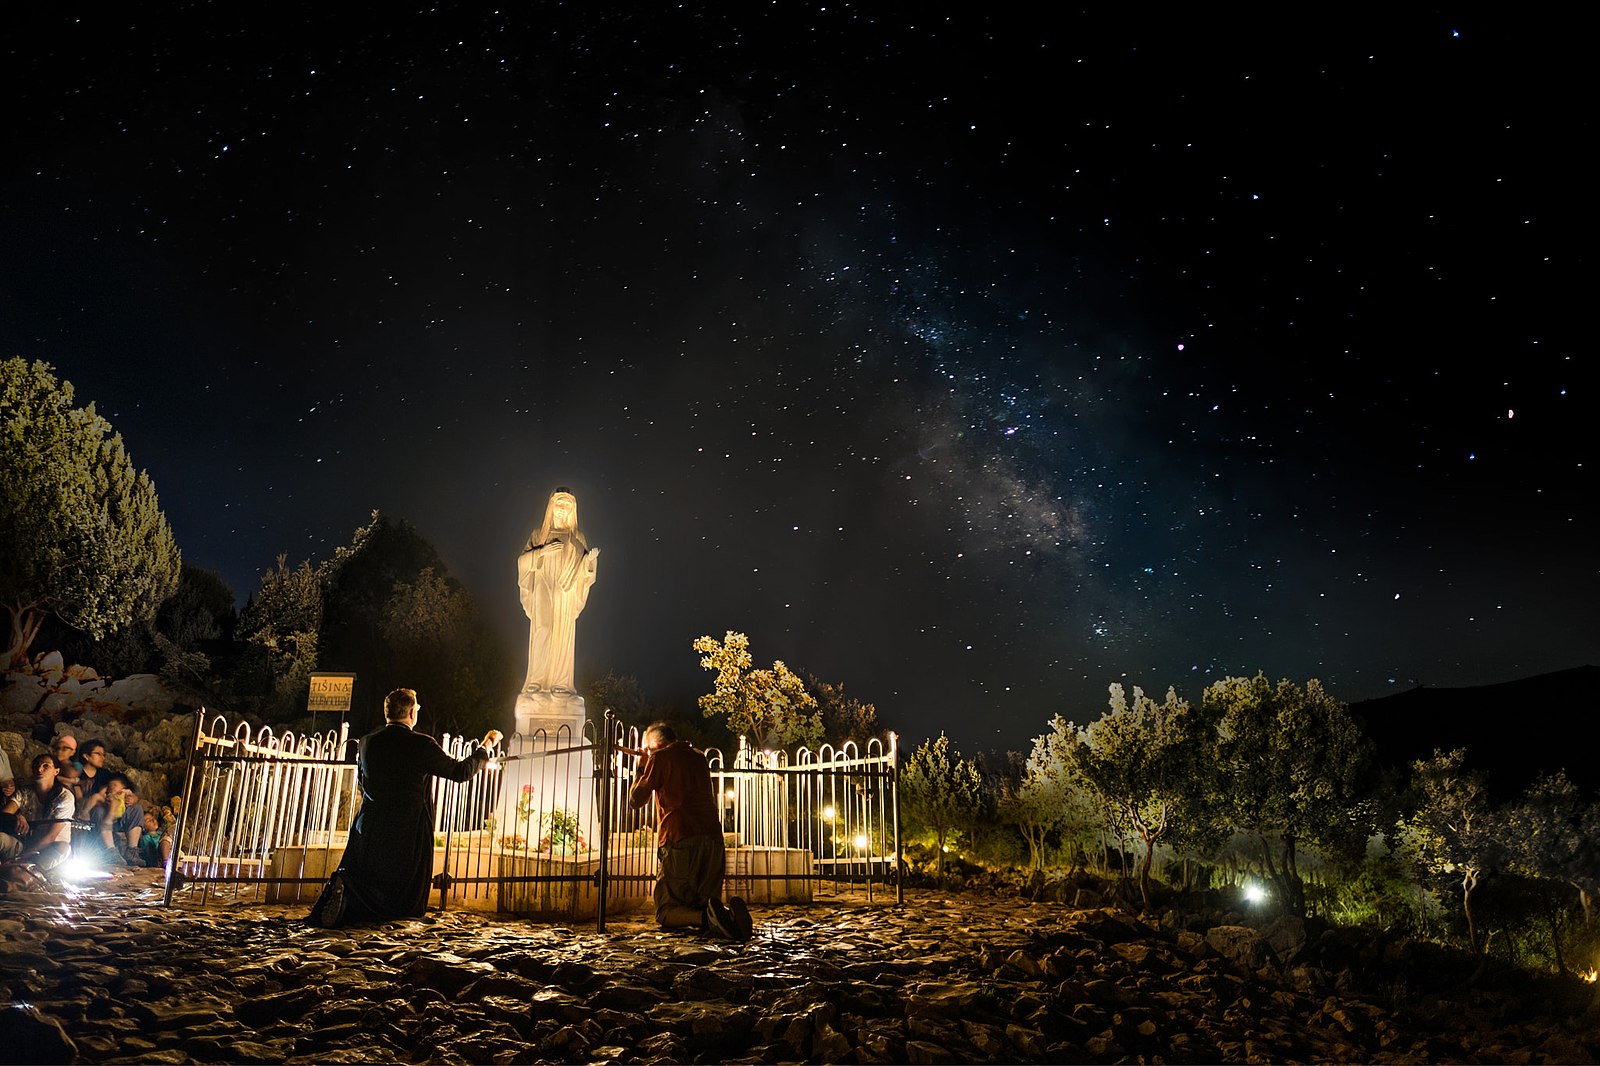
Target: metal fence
{"x": 260, "y": 808}
{"x": 545, "y": 830}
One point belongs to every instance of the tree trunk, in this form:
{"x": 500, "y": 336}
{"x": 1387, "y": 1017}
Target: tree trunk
{"x": 1295, "y": 887}
{"x": 25, "y": 623}
{"x": 1144, "y": 872}
{"x": 1469, "y": 881}
{"x": 1270, "y": 870}
{"x": 1555, "y": 938}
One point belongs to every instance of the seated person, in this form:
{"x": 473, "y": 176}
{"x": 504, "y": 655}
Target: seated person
{"x": 117, "y": 814}
{"x": 10, "y": 836}
{"x": 69, "y": 775}
{"x": 92, "y": 757}
{"x": 154, "y": 844}
{"x": 43, "y": 817}
{"x": 65, "y": 748}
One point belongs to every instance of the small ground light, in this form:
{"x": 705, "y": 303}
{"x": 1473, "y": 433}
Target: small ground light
{"x": 729, "y": 794}
{"x": 79, "y": 870}
{"x": 827, "y": 814}
{"x": 1254, "y": 892}
{"x": 861, "y": 841}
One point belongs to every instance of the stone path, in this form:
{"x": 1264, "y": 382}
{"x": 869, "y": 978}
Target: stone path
{"x": 110, "y": 975}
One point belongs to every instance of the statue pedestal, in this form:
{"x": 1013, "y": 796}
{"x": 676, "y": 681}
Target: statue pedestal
{"x": 550, "y": 711}
{"x": 545, "y": 773}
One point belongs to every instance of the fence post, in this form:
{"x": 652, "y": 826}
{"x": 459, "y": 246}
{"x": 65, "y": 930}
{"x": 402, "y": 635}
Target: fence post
{"x": 894, "y": 793}
{"x": 602, "y": 777}
{"x": 173, "y": 859}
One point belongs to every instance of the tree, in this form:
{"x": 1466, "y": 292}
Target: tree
{"x": 1045, "y": 798}
{"x": 84, "y": 533}
{"x": 200, "y": 612}
{"x": 1290, "y": 764}
{"x": 844, "y": 718}
{"x": 432, "y": 625}
{"x": 940, "y": 790}
{"x": 1453, "y": 829}
{"x": 769, "y": 706}
{"x": 1137, "y": 758}
{"x": 280, "y": 628}
{"x": 1549, "y": 835}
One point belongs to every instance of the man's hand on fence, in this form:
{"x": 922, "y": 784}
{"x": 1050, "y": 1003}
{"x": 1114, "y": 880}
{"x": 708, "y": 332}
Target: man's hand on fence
{"x": 491, "y": 738}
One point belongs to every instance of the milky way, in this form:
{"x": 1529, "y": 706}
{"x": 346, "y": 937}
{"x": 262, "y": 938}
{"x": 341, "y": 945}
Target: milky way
{"x": 975, "y": 361}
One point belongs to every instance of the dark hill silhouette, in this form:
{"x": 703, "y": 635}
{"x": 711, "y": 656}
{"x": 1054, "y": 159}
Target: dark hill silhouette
{"x": 1513, "y": 731}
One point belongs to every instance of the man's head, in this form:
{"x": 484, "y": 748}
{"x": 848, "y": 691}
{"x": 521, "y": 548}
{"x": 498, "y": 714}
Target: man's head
{"x": 401, "y": 705}
{"x": 659, "y": 735}
{"x": 93, "y": 754}
{"x": 44, "y": 771}
{"x": 64, "y": 747}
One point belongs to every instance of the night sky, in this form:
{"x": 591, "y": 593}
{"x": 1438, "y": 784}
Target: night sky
{"x": 972, "y": 357}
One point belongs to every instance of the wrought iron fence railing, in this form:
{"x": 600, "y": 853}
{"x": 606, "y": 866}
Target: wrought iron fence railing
{"x": 545, "y": 830}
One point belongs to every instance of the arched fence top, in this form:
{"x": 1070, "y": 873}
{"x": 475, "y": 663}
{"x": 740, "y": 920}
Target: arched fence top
{"x": 244, "y": 740}
{"x": 847, "y": 756}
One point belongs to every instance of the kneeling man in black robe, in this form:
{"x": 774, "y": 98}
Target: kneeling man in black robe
{"x": 388, "y": 864}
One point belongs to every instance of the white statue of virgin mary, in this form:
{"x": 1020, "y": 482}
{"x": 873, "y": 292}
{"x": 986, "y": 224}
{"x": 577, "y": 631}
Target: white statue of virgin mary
{"x": 555, "y": 572}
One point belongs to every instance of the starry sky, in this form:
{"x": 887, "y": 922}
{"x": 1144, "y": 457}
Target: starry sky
{"x": 974, "y": 357}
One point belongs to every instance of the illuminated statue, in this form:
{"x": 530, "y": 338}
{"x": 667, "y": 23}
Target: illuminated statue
{"x": 554, "y": 572}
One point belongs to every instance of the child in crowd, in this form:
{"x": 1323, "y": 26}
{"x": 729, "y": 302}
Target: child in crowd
{"x": 154, "y": 844}
{"x": 68, "y": 774}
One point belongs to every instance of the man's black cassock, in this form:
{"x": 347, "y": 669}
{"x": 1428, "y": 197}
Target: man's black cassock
{"x": 389, "y": 861}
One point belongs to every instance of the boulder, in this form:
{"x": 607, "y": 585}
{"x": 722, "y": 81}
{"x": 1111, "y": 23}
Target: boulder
{"x": 1286, "y": 936}
{"x": 138, "y": 692}
{"x": 50, "y": 666}
{"x": 22, "y": 694}
{"x": 1239, "y": 944}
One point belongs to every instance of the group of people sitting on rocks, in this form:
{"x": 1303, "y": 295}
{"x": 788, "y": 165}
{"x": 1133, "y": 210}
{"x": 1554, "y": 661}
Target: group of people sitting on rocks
{"x": 69, "y": 805}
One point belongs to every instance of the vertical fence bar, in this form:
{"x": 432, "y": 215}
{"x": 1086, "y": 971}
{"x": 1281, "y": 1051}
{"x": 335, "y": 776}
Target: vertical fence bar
{"x": 183, "y": 810}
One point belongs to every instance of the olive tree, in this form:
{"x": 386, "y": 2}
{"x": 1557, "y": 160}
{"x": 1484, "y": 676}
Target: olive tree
{"x": 1454, "y": 829}
{"x": 1139, "y": 759}
{"x": 1290, "y": 765}
{"x": 770, "y": 706}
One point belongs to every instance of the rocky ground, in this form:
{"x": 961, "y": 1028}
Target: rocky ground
{"x": 107, "y": 974}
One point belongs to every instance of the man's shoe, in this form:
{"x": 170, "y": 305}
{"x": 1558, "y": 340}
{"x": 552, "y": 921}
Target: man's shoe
{"x": 719, "y": 922}
{"x": 331, "y": 911}
{"x": 743, "y": 924}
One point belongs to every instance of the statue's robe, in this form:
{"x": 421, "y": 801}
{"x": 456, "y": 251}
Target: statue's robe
{"x": 389, "y": 862}
{"x": 554, "y": 579}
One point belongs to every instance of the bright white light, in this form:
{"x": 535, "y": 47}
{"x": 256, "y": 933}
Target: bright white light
{"x": 79, "y": 870}
{"x": 861, "y": 842}
{"x": 828, "y": 814}
{"x": 1254, "y": 892}
{"x": 729, "y": 794}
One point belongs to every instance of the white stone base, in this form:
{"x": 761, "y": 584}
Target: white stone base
{"x": 550, "y": 711}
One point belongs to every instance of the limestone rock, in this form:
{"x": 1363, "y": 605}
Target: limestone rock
{"x": 1239, "y": 944}
{"x": 26, "y": 1035}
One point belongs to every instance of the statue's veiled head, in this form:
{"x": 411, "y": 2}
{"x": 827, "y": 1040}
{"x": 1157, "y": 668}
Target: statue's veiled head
{"x": 560, "y": 520}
